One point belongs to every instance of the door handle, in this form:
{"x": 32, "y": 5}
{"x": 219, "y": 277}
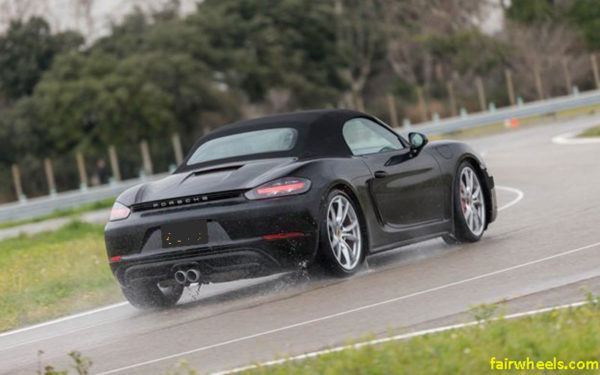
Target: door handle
{"x": 380, "y": 174}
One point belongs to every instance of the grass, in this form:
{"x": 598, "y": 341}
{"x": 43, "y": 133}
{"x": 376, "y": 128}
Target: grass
{"x": 568, "y": 335}
{"x": 564, "y": 335}
{"x": 106, "y": 203}
{"x": 591, "y": 132}
{"x": 54, "y": 274}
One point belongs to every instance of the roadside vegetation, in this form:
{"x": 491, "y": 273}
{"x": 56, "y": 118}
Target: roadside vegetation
{"x": 54, "y": 274}
{"x": 69, "y": 212}
{"x": 591, "y": 132}
{"x": 568, "y": 335}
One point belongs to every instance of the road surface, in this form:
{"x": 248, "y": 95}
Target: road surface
{"x": 542, "y": 250}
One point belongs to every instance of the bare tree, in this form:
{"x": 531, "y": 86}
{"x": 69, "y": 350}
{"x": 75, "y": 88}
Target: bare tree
{"x": 545, "y": 47}
{"x": 409, "y": 22}
{"x": 360, "y": 38}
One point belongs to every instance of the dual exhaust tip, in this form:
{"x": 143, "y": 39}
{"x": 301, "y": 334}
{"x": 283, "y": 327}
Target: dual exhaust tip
{"x": 190, "y": 276}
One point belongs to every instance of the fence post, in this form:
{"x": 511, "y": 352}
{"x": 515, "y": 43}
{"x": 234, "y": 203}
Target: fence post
{"x": 50, "y": 177}
{"x": 392, "y": 108}
{"x": 146, "y": 157}
{"x": 114, "y": 163}
{"x": 452, "y": 98}
{"x": 509, "y": 86}
{"x": 422, "y": 103}
{"x": 82, "y": 173}
{"x": 595, "y": 70}
{"x": 16, "y": 173}
{"x": 177, "y": 148}
{"x": 480, "y": 93}
{"x": 568, "y": 82}
{"x": 538, "y": 82}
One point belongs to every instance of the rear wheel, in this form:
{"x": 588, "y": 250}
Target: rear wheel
{"x": 469, "y": 206}
{"x": 341, "y": 241}
{"x": 148, "y": 295}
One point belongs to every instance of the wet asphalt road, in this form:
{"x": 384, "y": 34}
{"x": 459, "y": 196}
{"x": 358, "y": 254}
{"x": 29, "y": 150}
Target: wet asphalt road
{"x": 540, "y": 251}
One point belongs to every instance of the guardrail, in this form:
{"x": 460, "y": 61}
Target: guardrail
{"x": 45, "y": 205}
{"x": 538, "y": 108}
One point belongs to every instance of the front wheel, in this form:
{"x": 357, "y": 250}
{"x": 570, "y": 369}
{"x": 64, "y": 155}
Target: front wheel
{"x": 342, "y": 245}
{"x": 148, "y": 295}
{"x": 469, "y": 206}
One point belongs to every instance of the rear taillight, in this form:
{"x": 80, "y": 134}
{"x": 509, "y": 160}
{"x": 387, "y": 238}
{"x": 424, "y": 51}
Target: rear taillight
{"x": 119, "y": 212}
{"x": 280, "y": 188}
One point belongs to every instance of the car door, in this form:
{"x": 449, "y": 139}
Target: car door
{"x": 407, "y": 189}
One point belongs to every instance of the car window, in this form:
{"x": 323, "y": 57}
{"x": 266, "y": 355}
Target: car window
{"x": 248, "y": 143}
{"x": 364, "y": 136}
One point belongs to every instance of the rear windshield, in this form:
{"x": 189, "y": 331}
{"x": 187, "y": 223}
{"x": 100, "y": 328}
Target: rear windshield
{"x": 243, "y": 144}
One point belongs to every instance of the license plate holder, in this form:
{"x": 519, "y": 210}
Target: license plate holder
{"x": 185, "y": 233}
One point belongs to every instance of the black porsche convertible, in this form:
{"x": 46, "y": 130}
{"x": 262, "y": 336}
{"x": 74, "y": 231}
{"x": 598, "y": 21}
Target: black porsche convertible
{"x": 267, "y": 195}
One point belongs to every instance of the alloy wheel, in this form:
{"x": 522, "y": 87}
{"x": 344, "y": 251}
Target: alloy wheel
{"x": 343, "y": 228}
{"x": 471, "y": 201}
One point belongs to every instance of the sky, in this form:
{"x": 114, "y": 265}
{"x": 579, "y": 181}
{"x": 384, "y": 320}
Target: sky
{"x": 72, "y": 14}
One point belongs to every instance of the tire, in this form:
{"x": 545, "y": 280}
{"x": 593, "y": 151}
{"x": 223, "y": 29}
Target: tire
{"x": 341, "y": 251}
{"x": 145, "y": 295}
{"x": 469, "y": 206}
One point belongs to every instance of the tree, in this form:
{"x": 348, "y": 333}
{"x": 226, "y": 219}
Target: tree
{"x": 528, "y": 11}
{"x": 421, "y": 34}
{"x": 585, "y": 15}
{"x": 544, "y": 47}
{"x": 581, "y": 15}
{"x": 88, "y": 101}
{"x": 259, "y": 46}
{"x": 26, "y": 51}
{"x": 361, "y": 43}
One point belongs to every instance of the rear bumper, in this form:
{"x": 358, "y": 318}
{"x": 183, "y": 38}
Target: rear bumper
{"x": 226, "y": 263}
{"x": 236, "y": 247}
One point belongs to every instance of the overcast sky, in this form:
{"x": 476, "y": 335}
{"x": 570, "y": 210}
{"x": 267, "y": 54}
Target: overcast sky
{"x": 74, "y": 14}
{"x": 93, "y": 17}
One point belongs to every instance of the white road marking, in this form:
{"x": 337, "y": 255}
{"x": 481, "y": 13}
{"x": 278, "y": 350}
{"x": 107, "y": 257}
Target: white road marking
{"x": 63, "y": 319}
{"x": 518, "y": 192}
{"x": 570, "y": 138}
{"x": 393, "y": 338}
{"x": 350, "y": 311}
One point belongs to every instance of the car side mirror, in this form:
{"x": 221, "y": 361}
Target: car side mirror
{"x": 417, "y": 141}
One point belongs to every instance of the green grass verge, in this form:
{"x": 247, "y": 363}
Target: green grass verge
{"x": 567, "y": 335}
{"x": 54, "y": 274}
{"x": 591, "y": 132}
{"x": 106, "y": 203}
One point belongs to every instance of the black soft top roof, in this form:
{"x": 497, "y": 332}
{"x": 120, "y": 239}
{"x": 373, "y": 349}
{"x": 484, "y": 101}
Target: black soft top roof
{"x": 320, "y": 134}
{"x": 314, "y": 118}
